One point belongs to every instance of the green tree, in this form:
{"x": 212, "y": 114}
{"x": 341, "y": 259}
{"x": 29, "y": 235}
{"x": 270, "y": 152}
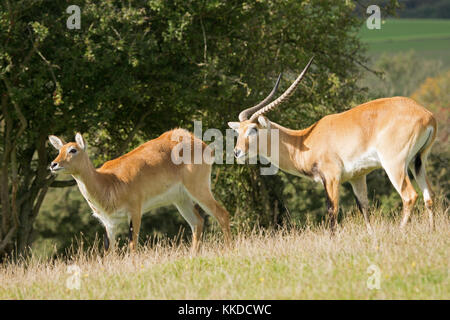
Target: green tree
{"x": 138, "y": 68}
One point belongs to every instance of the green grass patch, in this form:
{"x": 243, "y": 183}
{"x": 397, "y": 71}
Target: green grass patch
{"x": 284, "y": 264}
{"x": 428, "y": 37}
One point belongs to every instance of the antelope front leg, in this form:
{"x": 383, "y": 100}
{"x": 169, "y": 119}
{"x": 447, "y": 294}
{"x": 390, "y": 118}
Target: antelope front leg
{"x": 109, "y": 239}
{"x": 133, "y": 235}
{"x": 106, "y": 241}
{"x": 332, "y": 192}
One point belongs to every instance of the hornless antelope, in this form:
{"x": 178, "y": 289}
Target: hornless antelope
{"x": 392, "y": 133}
{"x": 143, "y": 179}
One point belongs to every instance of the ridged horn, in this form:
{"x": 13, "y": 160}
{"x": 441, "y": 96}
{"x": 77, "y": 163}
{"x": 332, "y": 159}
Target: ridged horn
{"x": 284, "y": 96}
{"x": 247, "y": 112}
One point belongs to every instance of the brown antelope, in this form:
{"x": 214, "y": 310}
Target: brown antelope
{"x": 143, "y": 179}
{"x": 393, "y": 133}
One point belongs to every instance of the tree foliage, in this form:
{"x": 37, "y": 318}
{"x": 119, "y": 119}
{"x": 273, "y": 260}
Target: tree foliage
{"x": 138, "y": 68}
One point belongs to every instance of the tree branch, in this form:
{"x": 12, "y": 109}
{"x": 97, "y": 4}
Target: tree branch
{"x": 205, "y": 47}
{"x": 7, "y": 240}
{"x": 4, "y": 196}
{"x": 23, "y": 121}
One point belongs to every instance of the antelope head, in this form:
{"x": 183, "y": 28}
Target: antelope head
{"x": 252, "y": 120}
{"x": 72, "y": 156}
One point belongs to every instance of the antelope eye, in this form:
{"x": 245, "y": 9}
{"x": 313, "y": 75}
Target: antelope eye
{"x": 73, "y": 151}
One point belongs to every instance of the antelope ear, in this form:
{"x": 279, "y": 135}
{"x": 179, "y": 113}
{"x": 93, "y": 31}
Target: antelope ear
{"x": 56, "y": 142}
{"x": 263, "y": 122}
{"x": 80, "y": 141}
{"x": 234, "y": 125}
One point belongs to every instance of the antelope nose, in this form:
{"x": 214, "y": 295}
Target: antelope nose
{"x": 53, "y": 165}
{"x": 237, "y": 153}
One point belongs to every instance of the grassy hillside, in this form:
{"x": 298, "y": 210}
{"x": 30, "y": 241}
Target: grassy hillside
{"x": 284, "y": 264}
{"x": 429, "y": 37}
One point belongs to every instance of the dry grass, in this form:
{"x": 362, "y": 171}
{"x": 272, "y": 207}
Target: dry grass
{"x": 284, "y": 264}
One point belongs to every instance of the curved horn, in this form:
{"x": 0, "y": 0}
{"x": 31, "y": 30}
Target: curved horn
{"x": 284, "y": 96}
{"x": 247, "y": 112}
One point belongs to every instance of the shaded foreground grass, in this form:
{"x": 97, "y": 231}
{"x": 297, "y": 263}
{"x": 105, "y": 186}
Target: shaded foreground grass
{"x": 291, "y": 263}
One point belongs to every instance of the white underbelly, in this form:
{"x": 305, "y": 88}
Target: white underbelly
{"x": 167, "y": 198}
{"x": 111, "y": 219}
{"x": 361, "y": 165}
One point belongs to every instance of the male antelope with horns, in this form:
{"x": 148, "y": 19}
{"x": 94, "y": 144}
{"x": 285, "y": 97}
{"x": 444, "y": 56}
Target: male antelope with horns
{"x": 143, "y": 179}
{"x": 393, "y": 133}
